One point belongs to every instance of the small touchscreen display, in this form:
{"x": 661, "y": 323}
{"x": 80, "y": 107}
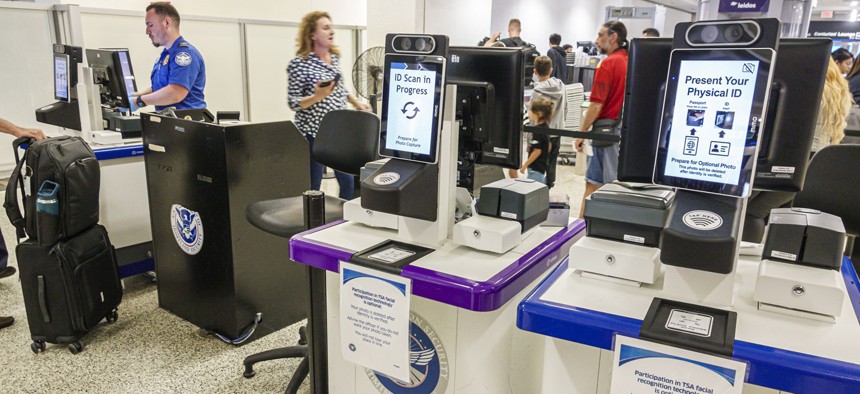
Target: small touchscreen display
{"x": 413, "y": 103}
{"x": 712, "y": 115}
{"x": 61, "y": 77}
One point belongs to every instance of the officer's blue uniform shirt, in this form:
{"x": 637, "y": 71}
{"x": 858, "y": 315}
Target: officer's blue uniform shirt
{"x": 181, "y": 64}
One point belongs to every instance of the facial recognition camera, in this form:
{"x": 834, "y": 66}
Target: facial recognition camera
{"x": 416, "y": 44}
{"x": 726, "y": 34}
{"x": 723, "y": 33}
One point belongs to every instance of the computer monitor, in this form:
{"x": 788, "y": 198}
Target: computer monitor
{"x": 588, "y": 47}
{"x": 489, "y": 103}
{"x": 797, "y": 84}
{"x": 113, "y": 74}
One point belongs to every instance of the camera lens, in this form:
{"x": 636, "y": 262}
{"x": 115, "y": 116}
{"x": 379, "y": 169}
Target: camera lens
{"x": 420, "y": 44}
{"x": 709, "y": 33}
{"x": 405, "y": 43}
{"x": 733, "y": 33}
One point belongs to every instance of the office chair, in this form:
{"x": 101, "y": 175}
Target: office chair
{"x": 831, "y": 186}
{"x": 346, "y": 141}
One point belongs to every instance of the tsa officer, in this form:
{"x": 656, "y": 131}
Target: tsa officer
{"x": 179, "y": 75}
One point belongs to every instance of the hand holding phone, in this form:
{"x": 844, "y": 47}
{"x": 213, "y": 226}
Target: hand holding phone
{"x": 330, "y": 81}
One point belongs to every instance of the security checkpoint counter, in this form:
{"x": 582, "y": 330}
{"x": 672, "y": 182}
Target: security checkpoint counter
{"x": 580, "y": 319}
{"x": 464, "y": 309}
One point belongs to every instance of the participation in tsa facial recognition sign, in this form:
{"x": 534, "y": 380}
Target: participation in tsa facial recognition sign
{"x": 411, "y": 108}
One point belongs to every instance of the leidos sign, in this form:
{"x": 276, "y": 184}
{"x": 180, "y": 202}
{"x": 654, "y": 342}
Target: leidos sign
{"x": 728, "y": 6}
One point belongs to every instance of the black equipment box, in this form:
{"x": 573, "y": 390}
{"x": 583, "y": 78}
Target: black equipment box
{"x": 523, "y": 200}
{"x": 629, "y": 214}
{"x": 805, "y": 236}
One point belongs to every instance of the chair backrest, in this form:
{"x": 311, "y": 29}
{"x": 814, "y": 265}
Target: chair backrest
{"x": 833, "y": 185}
{"x": 347, "y": 140}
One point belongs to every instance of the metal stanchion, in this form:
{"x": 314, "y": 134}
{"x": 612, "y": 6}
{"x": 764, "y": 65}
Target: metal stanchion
{"x": 314, "y": 216}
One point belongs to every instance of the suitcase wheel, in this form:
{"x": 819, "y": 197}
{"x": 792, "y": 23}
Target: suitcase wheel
{"x": 76, "y": 347}
{"x": 37, "y": 346}
{"x": 112, "y": 316}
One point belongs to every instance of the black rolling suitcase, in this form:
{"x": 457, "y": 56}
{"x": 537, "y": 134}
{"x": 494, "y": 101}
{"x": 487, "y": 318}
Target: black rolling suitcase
{"x": 69, "y": 287}
{"x": 69, "y": 275}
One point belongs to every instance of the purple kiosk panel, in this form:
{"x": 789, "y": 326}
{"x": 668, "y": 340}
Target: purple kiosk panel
{"x": 479, "y": 296}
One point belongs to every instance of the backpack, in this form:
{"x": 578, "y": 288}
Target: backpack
{"x": 59, "y": 180}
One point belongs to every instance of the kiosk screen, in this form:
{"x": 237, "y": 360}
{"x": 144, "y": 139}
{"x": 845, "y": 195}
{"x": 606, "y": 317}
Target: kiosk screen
{"x": 61, "y": 77}
{"x": 712, "y": 114}
{"x": 413, "y": 103}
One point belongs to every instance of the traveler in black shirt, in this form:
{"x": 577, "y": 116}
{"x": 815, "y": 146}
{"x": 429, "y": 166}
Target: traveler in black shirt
{"x": 540, "y": 112}
{"x": 558, "y": 56}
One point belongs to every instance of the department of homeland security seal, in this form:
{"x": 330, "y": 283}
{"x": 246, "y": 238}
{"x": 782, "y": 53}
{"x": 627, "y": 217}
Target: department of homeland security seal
{"x": 183, "y": 59}
{"x": 187, "y": 229}
{"x": 428, "y": 363}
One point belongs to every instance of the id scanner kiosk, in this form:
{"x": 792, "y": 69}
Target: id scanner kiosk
{"x": 93, "y": 99}
{"x": 414, "y": 191}
{"x": 713, "y": 135}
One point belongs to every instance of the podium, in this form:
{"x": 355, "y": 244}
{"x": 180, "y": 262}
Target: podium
{"x": 214, "y": 268}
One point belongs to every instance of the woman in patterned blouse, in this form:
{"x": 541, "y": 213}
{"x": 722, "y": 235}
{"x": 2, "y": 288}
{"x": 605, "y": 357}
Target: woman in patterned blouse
{"x": 317, "y": 60}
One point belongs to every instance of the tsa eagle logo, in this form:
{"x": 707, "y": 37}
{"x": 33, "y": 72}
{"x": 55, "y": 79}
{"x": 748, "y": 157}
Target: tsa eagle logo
{"x": 187, "y": 229}
{"x": 428, "y": 364}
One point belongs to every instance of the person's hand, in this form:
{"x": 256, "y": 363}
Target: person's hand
{"x": 512, "y": 173}
{"x": 493, "y": 39}
{"x": 579, "y": 144}
{"x": 362, "y": 106}
{"x": 523, "y": 170}
{"x": 132, "y": 104}
{"x": 323, "y": 91}
{"x": 29, "y": 133}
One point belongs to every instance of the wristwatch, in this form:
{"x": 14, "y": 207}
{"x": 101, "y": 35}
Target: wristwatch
{"x": 140, "y": 102}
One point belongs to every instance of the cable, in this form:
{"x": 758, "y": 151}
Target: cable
{"x": 244, "y": 337}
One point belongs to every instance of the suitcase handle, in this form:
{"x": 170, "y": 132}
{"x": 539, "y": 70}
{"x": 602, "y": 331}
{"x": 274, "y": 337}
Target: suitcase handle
{"x": 43, "y": 302}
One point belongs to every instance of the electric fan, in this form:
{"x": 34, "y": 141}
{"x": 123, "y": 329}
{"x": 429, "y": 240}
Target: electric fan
{"x": 367, "y": 74}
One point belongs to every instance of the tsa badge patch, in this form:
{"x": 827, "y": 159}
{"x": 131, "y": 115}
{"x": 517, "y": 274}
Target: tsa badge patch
{"x": 187, "y": 229}
{"x": 182, "y": 58}
{"x": 428, "y": 363}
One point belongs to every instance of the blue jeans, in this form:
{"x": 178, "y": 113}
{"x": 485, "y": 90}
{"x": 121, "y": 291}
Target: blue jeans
{"x": 537, "y": 176}
{"x": 344, "y": 180}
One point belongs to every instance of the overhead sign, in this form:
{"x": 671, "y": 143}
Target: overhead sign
{"x": 731, "y": 6}
{"x": 837, "y": 30}
{"x": 827, "y": 14}
{"x": 647, "y": 367}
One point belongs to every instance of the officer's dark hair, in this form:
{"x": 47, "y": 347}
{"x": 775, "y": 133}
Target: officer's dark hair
{"x": 543, "y": 65}
{"x": 555, "y": 39}
{"x": 163, "y": 8}
{"x": 618, "y": 28}
{"x": 651, "y": 32}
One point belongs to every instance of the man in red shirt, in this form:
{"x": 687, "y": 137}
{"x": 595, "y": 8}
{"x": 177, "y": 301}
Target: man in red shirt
{"x": 607, "y": 96}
